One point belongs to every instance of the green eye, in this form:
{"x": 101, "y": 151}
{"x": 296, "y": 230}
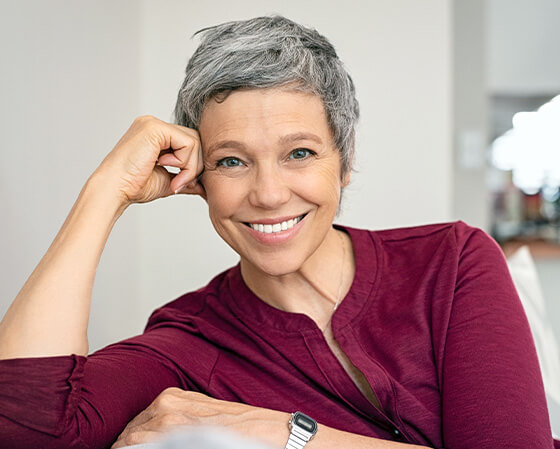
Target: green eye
{"x": 301, "y": 153}
{"x": 229, "y": 162}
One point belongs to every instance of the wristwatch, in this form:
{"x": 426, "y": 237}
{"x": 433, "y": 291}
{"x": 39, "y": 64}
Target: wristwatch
{"x": 302, "y": 429}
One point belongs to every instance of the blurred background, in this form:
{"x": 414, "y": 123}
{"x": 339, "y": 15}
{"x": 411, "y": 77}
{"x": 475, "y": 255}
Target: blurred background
{"x": 440, "y": 82}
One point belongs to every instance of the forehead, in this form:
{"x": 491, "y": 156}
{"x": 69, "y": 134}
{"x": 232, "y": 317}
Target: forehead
{"x": 259, "y": 115}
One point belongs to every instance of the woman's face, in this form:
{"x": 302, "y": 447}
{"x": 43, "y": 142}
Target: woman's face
{"x": 271, "y": 175}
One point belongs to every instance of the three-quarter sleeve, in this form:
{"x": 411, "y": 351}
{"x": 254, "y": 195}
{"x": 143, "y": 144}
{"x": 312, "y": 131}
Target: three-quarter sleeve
{"x": 37, "y": 398}
{"x": 492, "y": 391}
{"x": 78, "y": 402}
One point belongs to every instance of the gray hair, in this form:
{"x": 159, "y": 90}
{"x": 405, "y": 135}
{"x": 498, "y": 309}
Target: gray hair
{"x": 269, "y": 52}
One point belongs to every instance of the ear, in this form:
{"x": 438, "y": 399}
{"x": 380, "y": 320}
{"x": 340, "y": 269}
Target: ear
{"x": 346, "y": 179}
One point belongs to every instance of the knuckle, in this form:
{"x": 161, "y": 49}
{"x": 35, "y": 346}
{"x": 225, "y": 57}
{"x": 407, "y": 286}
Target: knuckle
{"x": 166, "y": 397}
{"x": 172, "y": 419}
{"x": 172, "y": 391}
{"x": 133, "y": 438}
{"x": 162, "y": 402}
{"x": 195, "y": 394}
{"x": 147, "y": 123}
{"x": 195, "y": 136}
{"x": 144, "y": 118}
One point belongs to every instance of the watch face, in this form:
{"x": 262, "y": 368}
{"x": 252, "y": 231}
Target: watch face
{"x": 305, "y": 422}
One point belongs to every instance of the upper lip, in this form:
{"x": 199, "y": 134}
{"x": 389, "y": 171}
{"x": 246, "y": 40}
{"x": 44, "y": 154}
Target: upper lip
{"x": 273, "y": 220}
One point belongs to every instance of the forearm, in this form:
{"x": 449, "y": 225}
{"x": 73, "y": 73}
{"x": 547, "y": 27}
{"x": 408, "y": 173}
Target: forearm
{"x": 327, "y": 438}
{"x": 50, "y": 314}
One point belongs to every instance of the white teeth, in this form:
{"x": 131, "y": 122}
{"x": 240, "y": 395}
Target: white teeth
{"x": 276, "y": 227}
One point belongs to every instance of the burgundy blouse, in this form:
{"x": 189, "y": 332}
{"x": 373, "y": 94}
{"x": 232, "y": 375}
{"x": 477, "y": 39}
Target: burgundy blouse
{"x": 432, "y": 320}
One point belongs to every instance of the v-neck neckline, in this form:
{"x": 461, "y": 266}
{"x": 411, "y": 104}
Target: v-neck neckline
{"x": 255, "y": 312}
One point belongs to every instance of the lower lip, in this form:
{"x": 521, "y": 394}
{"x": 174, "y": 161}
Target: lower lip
{"x": 275, "y": 238}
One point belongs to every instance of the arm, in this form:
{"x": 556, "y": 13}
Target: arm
{"x": 50, "y": 314}
{"x": 175, "y": 407}
{"x": 492, "y": 392}
{"x": 70, "y": 400}
{"x": 73, "y": 401}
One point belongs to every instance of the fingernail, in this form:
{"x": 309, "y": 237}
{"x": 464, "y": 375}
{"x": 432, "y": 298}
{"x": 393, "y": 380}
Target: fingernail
{"x": 179, "y": 189}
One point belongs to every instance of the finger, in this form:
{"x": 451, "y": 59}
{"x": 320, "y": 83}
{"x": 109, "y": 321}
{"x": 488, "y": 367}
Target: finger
{"x": 185, "y": 145}
{"x": 188, "y": 173}
{"x": 137, "y": 437}
{"x": 192, "y": 188}
{"x": 200, "y": 167}
{"x": 171, "y": 420}
{"x": 168, "y": 159}
{"x": 139, "y": 420}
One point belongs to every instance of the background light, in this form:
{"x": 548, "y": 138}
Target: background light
{"x": 531, "y": 149}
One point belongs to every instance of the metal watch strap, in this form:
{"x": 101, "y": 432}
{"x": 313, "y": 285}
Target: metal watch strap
{"x": 298, "y": 438}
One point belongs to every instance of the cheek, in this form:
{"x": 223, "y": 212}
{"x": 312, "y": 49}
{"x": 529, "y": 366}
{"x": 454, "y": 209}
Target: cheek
{"x": 320, "y": 185}
{"x": 224, "y": 195}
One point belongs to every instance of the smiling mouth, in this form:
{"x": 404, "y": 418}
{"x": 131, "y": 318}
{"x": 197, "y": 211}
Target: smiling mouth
{"x": 275, "y": 227}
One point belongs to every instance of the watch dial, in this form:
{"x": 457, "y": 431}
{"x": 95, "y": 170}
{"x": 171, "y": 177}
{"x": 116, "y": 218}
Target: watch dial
{"x": 305, "y": 422}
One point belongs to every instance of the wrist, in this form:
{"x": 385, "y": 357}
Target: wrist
{"x": 100, "y": 186}
{"x": 302, "y": 430}
{"x": 267, "y": 426}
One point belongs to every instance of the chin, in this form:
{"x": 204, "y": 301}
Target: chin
{"x": 273, "y": 266}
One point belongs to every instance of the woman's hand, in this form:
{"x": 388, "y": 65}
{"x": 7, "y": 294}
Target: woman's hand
{"x": 135, "y": 165}
{"x": 176, "y": 408}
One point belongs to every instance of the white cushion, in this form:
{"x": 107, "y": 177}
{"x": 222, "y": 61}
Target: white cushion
{"x": 525, "y": 278}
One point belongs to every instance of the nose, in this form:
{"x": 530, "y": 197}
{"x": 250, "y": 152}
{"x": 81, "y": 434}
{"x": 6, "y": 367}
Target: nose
{"x": 269, "y": 190}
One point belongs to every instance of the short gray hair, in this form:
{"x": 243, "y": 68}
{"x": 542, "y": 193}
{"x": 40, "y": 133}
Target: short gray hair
{"x": 269, "y": 52}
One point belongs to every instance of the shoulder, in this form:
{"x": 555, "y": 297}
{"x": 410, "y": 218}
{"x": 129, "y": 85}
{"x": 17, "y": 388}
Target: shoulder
{"x": 454, "y": 236}
{"x": 188, "y": 305}
{"x": 440, "y": 250}
{"x": 456, "y": 230}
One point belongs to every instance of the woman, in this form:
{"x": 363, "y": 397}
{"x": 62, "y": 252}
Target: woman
{"x": 383, "y": 338}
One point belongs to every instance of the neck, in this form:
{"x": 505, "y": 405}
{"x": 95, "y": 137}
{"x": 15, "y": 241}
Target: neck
{"x": 316, "y": 288}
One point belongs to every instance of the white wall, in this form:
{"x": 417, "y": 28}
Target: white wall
{"x": 80, "y": 74}
{"x": 470, "y": 115}
{"x": 523, "y": 46}
{"x": 69, "y": 86}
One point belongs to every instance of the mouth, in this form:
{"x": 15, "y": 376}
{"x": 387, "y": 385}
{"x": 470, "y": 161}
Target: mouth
{"x": 273, "y": 228}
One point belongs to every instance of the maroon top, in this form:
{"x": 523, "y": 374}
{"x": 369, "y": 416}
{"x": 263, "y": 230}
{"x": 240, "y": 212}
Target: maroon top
{"x": 432, "y": 320}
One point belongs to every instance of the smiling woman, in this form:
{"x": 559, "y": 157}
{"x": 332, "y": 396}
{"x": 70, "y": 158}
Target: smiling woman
{"x": 272, "y": 163}
{"x": 322, "y": 335}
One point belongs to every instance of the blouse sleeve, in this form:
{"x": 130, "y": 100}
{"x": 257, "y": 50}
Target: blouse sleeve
{"x": 79, "y": 402}
{"x": 492, "y": 390}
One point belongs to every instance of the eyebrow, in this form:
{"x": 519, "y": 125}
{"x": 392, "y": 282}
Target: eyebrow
{"x": 284, "y": 140}
{"x": 295, "y": 137}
